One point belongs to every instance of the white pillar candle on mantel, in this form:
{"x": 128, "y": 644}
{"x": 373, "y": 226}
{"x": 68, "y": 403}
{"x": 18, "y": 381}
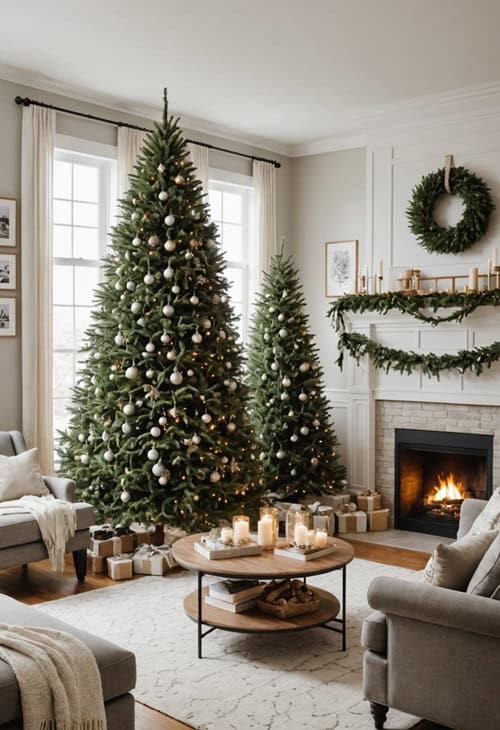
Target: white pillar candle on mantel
{"x": 226, "y": 534}
{"x": 310, "y": 538}
{"x": 321, "y": 540}
{"x": 300, "y": 534}
{"x": 265, "y": 531}
{"x": 474, "y": 278}
{"x": 241, "y": 530}
{"x": 381, "y": 269}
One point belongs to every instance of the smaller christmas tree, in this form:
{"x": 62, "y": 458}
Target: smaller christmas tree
{"x": 290, "y": 411}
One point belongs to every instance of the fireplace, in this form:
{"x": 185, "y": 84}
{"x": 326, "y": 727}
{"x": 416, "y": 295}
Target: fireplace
{"x": 434, "y": 472}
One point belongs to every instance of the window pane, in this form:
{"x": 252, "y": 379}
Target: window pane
{"x": 86, "y": 279}
{"x": 215, "y": 200}
{"x": 62, "y": 373}
{"x": 235, "y": 278}
{"x": 232, "y": 209}
{"x": 61, "y": 242}
{"x": 85, "y": 214}
{"x": 232, "y": 241}
{"x": 85, "y": 243}
{"x": 61, "y": 415}
{"x": 62, "y": 325}
{"x": 62, "y": 180}
{"x": 82, "y": 321}
{"x": 63, "y": 285}
{"x": 62, "y": 212}
{"x": 85, "y": 184}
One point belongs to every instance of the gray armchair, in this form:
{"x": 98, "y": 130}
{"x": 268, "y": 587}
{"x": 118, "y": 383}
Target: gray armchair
{"x": 433, "y": 652}
{"x": 20, "y": 539}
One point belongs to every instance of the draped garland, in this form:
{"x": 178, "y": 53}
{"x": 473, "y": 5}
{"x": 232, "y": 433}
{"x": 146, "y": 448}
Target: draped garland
{"x": 358, "y": 345}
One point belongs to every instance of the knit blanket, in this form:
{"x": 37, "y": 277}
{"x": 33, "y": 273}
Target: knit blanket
{"x": 56, "y": 520}
{"x": 58, "y": 678}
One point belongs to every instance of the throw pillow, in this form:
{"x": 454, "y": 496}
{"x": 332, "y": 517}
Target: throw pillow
{"x": 489, "y": 519}
{"x": 452, "y": 566}
{"x": 486, "y": 577}
{"x": 20, "y": 475}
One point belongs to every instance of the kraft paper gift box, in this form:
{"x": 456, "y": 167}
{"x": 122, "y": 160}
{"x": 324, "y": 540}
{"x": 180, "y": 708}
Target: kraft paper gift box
{"x": 369, "y": 502}
{"x": 102, "y": 548}
{"x": 169, "y": 555}
{"x": 171, "y": 535}
{"x": 378, "y": 519}
{"x": 120, "y": 567}
{"x": 323, "y": 517}
{"x": 142, "y": 538}
{"x": 149, "y": 560}
{"x": 351, "y": 521}
{"x": 95, "y": 564}
{"x": 124, "y": 543}
{"x": 335, "y": 500}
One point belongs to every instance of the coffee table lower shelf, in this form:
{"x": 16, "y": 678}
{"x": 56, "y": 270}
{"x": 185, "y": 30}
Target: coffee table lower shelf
{"x": 255, "y": 622}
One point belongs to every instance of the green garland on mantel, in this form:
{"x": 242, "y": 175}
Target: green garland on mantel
{"x": 388, "y": 358}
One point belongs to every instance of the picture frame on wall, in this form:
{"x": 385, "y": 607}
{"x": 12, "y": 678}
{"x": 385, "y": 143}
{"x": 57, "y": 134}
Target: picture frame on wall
{"x": 7, "y": 317}
{"x": 7, "y": 222}
{"x": 341, "y": 268}
{"x": 8, "y": 273}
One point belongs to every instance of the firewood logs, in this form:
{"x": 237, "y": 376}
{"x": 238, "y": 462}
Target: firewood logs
{"x": 281, "y": 593}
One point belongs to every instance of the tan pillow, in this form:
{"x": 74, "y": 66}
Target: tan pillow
{"x": 489, "y": 518}
{"x": 486, "y": 577}
{"x": 20, "y": 475}
{"x": 452, "y": 566}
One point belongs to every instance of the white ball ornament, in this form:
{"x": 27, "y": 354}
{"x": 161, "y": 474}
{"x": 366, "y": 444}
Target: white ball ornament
{"x": 125, "y": 497}
{"x": 304, "y": 367}
{"x": 232, "y": 386}
{"x": 98, "y": 392}
{"x": 314, "y": 461}
{"x": 286, "y": 382}
{"x": 149, "y": 279}
{"x": 272, "y": 309}
{"x": 176, "y": 378}
{"x": 169, "y": 245}
{"x": 207, "y": 324}
{"x": 171, "y": 355}
{"x": 304, "y": 430}
{"x": 263, "y": 377}
{"x": 179, "y": 180}
{"x": 294, "y": 438}
{"x": 118, "y": 285}
{"x": 161, "y": 167}
{"x": 126, "y": 428}
{"x": 303, "y": 397}
{"x": 153, "y": 455}
{"x": 111, "y": 376}
{"x": 215, "y": 477}
{"x": 197, "y": 338}
{"x": 283, "y": 332}
{"x": 175, "y": 289}
{"x": 136, "y": 241}
{"x": 85, "y": 459}
{"x": 316, "y": 423}
{"x": 153, "y": 241}
{"x": 141, "y": 322}
{"x": 281, "y": 317}
{"x": 280, "y": 454}
{"x": 135, "y": 307}
{"x": 223, "y": 299}
{"x": 163, "y": 195}
{"x": 231, "y": 427}
{"x": 293, "y": 472}
{"x": 274, "y": 366}
{"x": 291, "y": 413}
{"x": 222, "y": 334}
{"x": 158, "y": 469}
{"x": 150, "y": 374}
{"x": 81, "y": 437}
{"x": 155, "y": 432}
{"x": 194, "y": 299}
{"x": 169, "y": 273}
{"x": 190, "y": 373}
{"x": 162, "y": 481}
{"x": 108, "y": 456}
{"x": 267, "y": 337}
{"x": 188, "y": 255}
{"x": 168, "y": 310}
{"x": 163, "y": 421}
{"x": 139, "y": 403}
{"x": 165, "y": 338}
{"x": 206, "y": 418}
{"x": 262, "y": 455}
{"x": 169, "y": 220}
{"x": 129, "y": 409}
{"x": 131, "y": 373}
{"x": 135, "y": 216}
{"x": 150, "y": 347}
{"x": 196, "y": 439}
{"x": 284, "y": 396}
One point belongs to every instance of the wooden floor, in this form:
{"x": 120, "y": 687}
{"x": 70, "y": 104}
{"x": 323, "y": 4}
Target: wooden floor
{"x": 39, "y": 584}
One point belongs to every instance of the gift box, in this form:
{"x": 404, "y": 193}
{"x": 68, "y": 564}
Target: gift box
{"x": 335, "y": 500}
{"x": 150, "y": 560}
{"x": 369, "y": 501}
{"x": 102, "y": 548}
{"x": 171, "y": 535}
{"x": 323, "y": 517}
{"x": 120, "y": 567}
{"x": 378, "y": 519}
{"x": 124, "y": 543}
{"x": 169, "y": 555}
{"x": 95, "y": 564}
{"x": 105, "y": 531}
{"x": 351, "y": 521}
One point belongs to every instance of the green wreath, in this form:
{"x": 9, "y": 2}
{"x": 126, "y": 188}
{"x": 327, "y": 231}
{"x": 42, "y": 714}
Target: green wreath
{"x": 476, "y": 197}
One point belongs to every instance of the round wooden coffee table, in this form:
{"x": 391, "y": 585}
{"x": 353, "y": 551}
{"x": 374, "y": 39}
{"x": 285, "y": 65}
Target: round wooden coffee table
{"x": 262, "y": 567}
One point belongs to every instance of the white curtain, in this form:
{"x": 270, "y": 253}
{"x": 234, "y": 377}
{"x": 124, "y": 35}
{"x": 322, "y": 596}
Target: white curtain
{"x": 199, "y": 158}
{"x": 264, "y": 178}
{"x": 129, "y": 143}
{"x": 37, "y": 167}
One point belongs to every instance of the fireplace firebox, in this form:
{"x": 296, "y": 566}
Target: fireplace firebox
{"x": 435, "y": 471}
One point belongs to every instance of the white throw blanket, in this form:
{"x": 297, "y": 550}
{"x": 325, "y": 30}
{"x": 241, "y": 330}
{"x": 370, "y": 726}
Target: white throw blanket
{"x": 58, "y": 678}
{"x": 56, "y": 520}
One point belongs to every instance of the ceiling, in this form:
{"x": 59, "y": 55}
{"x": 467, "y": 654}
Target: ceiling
{"x": 287, "y": 71}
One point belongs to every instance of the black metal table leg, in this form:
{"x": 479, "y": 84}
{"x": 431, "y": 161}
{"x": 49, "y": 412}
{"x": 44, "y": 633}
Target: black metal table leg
{"x": 200, "y": 621}
{"x": 344, "y": 628}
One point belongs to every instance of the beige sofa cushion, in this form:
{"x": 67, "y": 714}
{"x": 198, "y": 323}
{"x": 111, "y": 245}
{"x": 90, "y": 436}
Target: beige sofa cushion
{"x": 20, "y": 475}
{"x": 452, "y": 566}
{"x": 489, "y": 518}
{"x": 486, "y": 578}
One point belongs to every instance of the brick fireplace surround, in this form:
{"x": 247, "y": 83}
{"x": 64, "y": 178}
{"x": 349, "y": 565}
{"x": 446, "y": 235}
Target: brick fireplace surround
{"x": 390, "y": 415}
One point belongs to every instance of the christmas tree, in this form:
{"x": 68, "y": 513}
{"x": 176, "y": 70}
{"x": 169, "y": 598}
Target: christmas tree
{"x": 289, "y": 409}
{"x": 158, "y": 430}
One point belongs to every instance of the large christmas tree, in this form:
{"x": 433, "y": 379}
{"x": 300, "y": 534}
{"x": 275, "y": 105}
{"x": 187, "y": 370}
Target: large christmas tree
{"x": 158, "y": 428}
{"x": 289, "y": 408}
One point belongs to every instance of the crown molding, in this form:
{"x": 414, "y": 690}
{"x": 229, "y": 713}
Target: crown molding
{"x": 152, "y": 113}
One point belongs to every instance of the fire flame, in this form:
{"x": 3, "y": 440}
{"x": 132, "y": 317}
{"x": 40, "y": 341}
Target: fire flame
{"x": 447, "y": 489}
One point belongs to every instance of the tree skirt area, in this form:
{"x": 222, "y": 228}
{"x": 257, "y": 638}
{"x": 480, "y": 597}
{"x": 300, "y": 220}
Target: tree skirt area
{"x": 274, "y": 682}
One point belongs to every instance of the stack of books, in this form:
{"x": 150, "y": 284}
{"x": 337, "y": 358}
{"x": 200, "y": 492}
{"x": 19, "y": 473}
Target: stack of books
{"x": 235, "y": 596}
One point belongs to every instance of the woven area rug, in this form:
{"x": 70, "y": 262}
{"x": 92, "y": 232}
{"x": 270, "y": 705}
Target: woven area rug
{"x": 244, "y": 682}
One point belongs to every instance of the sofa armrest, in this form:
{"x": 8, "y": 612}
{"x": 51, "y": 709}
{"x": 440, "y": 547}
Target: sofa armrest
{"x": 433, "y": 605}
{"x": 470, "y": 509}
{"x": 61, "y": 488}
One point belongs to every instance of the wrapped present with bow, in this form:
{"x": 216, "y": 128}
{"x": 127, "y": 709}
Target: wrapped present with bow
{"x": 120, "y": 567}
{"x": 369, "y": 500}
{"x": 350, "y": 519}
{"x": 101, "y": 541}
{"x": 323, "y": 517}
{"x": 171, "y": 535}
{"x": 331, "y": 500}
{"x": 95, "y": 564}
{"x": 153, "y": 560}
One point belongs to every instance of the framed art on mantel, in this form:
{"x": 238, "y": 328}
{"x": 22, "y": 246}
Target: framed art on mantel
{"x": 341, "y": 268}
{"x": 7, "y": 222}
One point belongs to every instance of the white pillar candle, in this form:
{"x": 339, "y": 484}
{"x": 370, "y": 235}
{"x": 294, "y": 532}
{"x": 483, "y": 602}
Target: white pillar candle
{"x": 381, "y": 269}
{"x": 321, "y": 539}
{"x": 473, "y": 278}
{"x": 265, "y": 535}
{"x": 226, "y": 534}
{"x": 300, "y": 534}
{"x": 310, "y": 538}
{"x": 241, "y": 531}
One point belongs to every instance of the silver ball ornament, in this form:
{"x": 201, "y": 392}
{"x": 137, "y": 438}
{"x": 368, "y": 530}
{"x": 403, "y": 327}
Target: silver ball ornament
{"x": 176, "y": 378}
{"x": 136, "y": 241}
{"x": 169, "y": 273}
{"x": 169, "y": 220}
{"x": 175, "y": 289}
{"x": 169, "y": 245}
{"x": 294, "y": 438}
{"x": 162, "y": 195}
{"x": 150, "y": 347}
{"x": 150, "y": 373}
{"x": 283, "y": 332}
{"x": 85, "y": 459}
{"x": 280, "y": 454}
{"x": 304, "y": 367}
{"x": 206, "y": 418}
{"x": 168, "y": 310}
{"x": 149, "y": 279}
{"x": 129, "y": 409}
{"x": 286, "y": 382}
{"x": 158, "y": 469}
{"x": 130, "y": 286}
{"x": 119, "y": 340}
{"x": 135, "y": 307}
{"x": 125, "y": 497}
{"x": 165, "y": 339}
{"x": 126, "y": 428}
{"x": 153, "y": 241}
{"x": 303, "y": 397}
{"x": 155, "y": 432}
{"x": 163, "y": 421}
{"x": 131, "y": 373}
{"x": 196, "y": 439}
{"x": 194, "y": 299}
{"x": 163, "y": 481}
{"x": 153, "y": 455}
{"x": 108, "y": 456}
{"x": 196, "y": 338}
{"x": 304, "y": 431}
{"x": 171, "y": 355}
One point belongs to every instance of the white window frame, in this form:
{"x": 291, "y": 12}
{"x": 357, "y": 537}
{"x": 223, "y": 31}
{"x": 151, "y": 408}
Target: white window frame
{"x": 226, "y": 181}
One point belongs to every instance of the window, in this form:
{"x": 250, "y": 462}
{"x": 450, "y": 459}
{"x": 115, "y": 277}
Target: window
{"x": 83, "y": 190}
{"x": 230, "y": 198}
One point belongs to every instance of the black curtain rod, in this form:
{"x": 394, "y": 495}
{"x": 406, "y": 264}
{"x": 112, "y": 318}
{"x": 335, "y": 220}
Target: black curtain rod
{"x": 26, "y": 101}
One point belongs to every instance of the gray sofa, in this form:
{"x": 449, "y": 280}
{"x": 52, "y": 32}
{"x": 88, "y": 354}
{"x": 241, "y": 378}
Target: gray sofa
{"x": 117, "y": 668}
{"x": 433, "y": 652}
{"x": 20, "y": 539}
